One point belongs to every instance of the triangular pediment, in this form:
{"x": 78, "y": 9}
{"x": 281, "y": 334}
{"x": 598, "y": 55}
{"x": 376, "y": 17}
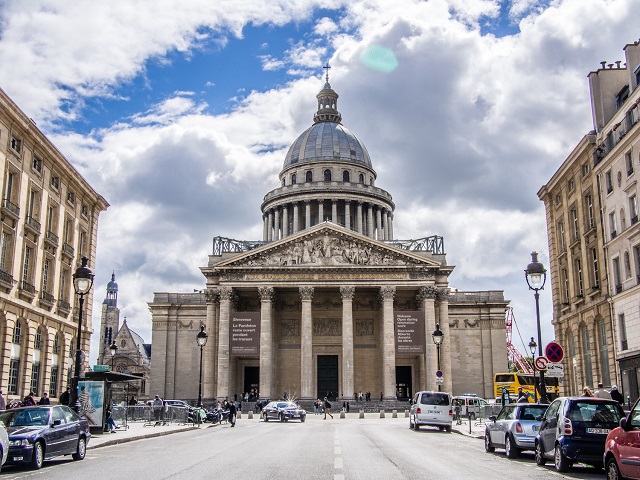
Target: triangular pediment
{"x": 328, "y": 245}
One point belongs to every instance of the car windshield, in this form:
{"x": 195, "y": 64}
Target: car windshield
{"x": 592, "y": 412}
{"x": 530, "y": 413}
{"x": 287, "y": 405}
{"x": 25, "y": 418}
{"x": 434, "y": 399}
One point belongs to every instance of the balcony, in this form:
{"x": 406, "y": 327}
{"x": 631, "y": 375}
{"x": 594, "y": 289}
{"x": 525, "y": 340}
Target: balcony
{"x": 33, "y": 225}
{"x": 619, "y": 288}
{"x": 47, "y": 300}
{"x": 68, "y": 250}
{"x": 6, "y": 280}
{"x": 52, "y": 239}
{"x": 63, "y": 308}
{"x": 10, "y": 209}
{"x": 27, "y": 291}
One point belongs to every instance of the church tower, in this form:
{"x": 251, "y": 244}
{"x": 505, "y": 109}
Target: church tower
{"x": 109, "y": 321}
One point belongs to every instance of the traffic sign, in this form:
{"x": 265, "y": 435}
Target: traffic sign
{"x": 541, "y": 363}
{"x": 439, "y": 373}
{"x": 554, "y": 352}
{"x": 439, "y": 381}
{"x": 555, "y": 370}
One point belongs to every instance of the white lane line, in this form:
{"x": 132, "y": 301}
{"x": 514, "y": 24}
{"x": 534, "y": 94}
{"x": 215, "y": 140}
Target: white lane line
{"x": 337, "y": 462}
{"x": 337, "y": 451}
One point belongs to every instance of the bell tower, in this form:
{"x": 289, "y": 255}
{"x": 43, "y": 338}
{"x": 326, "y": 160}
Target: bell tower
{"x": 109, "y": 321}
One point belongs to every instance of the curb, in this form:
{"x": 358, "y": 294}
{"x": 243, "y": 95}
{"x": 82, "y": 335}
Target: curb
{"x": 119, "y": 440}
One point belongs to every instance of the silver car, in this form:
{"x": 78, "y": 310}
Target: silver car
{"x": 514, "y": 429}
{"x": 4, "y": 444}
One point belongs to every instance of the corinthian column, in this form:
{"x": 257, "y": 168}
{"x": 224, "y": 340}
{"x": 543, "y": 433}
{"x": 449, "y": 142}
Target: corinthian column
{"x": 370, "y": 220}
{"x": 209, "y": 369}
{"x": 359, "y": 217}
{"x": 270, "y": 229}
{"x": 307, "y": 213}
{"x": 295, "y": 217}
{"x": 226, "y": 294}
{"x": 379, "y": 235}
{"x": 266, "y": 342}
{"x": 347, "y": 214}
{"x": 276, "y": 224}
{"x": 427, "y": 299}
{"x": 334, "y": 211}
{"x": 320, "y": 211}
{"x": 285, "y": 221}
{"x": 306, "y": 344}
{"x": 388, "y": 343}
{"x": 347, "y": 293}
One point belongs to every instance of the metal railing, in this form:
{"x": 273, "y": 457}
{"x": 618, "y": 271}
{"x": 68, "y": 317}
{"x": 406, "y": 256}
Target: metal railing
{"x": 147, "y": 415}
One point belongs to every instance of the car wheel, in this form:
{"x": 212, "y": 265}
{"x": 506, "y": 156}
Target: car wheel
{"x": 38, "y": 456}
{"x": 509, "y": 448}
{"x": 410, "y": 423}
{"x": 266, "y": 417}
{"x": 611, "y": 469}
{"x": 282, "y": 417}
{"x": 562, "y": 462}
{"x": 82, "y": 449}
{"x": 416, "y": 427}
{"x": 487, "y": 443}
{"x": 303, "y": 418}
{"x": 448, "y": 428}
{"x": 540, "y": 460}
{"x": 441, "y": 428}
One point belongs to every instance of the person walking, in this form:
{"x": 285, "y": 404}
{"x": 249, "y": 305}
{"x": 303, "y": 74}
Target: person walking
{"x": 602, "y": 393}
{"x": 3, "y": 402}
{"x": 44, "y": 400}
{"x": 64, "y": 398}
{"x": 327, "y": 408}
{"x": 586, "y": 392}
{"x": 616, "y": 395}
{"x": 157, "y": 408}
{"x": 522, "y": 396}
{"x": 232, "y": 413}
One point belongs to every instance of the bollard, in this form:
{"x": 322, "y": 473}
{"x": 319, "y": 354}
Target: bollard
{"x": 361, "y": 414}
{"x": 394, "y": 413}
{"x": 250, "y": 414}
{"x": 239, "y": 414}
{"x": 342, "y": 414}
{"x": 406, "y": 414}
{"x": 381, "y": 413}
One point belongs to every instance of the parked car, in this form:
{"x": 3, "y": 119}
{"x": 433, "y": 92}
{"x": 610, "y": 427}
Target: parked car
{"x": 40, "y": 433}
{"x": 431, "y": 408}
{"x": 4, "y": 444}
{"x": 178, "y": 403}
{"x": 514, "y": 428}
{"x": 575, "y": 430}
{"x": 471, "y": 405}
{"x": 283, "y": 411}
{"x": 622, "y": 447}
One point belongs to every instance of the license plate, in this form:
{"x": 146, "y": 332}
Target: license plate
{"x": 536, "y": 428}
{"x": 18, "y": 459}
{"x": 603, "y": 431}
{"x": 432, "y": 411}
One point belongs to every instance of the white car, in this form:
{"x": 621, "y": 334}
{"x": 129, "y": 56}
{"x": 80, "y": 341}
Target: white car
{"x": 431, "y": 408}
{"x": 4, "y": 444}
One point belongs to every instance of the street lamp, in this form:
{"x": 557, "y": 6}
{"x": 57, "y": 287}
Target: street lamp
{"x": 536, "y": 275}
{"x": 82, "y": 283}
{"x": 113, "y": 349}
{"x": 438, "y": 337}
{"x": 201, "y": 339}
{"x": 532, "y": 349}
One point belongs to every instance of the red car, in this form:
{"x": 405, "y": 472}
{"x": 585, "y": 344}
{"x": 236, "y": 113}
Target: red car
{"x": 622, "y": 448}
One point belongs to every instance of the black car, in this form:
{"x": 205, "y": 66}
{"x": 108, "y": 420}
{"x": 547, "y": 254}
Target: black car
{"x": 574, "y": 430}
{"x": 283, "y": 411}
{"x": 40, "y": 433}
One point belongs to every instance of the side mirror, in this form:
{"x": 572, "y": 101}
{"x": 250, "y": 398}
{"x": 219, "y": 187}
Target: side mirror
{"x": 56, "y": 423}
{"x": 624, "y": 425}
{"x": 492, "y": 418}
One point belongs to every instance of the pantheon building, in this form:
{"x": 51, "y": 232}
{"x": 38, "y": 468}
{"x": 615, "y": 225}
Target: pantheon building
{"x": 328, "y": 302}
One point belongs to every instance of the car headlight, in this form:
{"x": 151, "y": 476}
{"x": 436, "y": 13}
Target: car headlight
{"x": 23, "y": 442}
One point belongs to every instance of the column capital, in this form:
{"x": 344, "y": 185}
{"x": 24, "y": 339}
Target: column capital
{"x": 266, "y": 294}
{"x": 307, "y": 201}
{"x": 360, "y": 203}
{"x": 334, "y": 200}
{"x": 347, "y": 292}
{"x": 212, "y": 295}
{"x": 387, "y": 293}
{"x": 306, "y": 293}
{"x": 226, "y": 293}
{"x": 425, "y": 293}
{"x": 443, "y": 295}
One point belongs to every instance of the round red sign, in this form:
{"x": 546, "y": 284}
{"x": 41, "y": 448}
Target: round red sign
{"x": 554, "y": 352}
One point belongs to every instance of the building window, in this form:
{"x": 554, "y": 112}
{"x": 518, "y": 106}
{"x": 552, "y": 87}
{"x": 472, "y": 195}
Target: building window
{"x": 56, "y": 345}
{"x": 585, "y": 169}
{"x": 574, "y": 224}
{"x": 34, "y": 205}
{"x": 6, "y": 249}
{"x": 579, "y": 284}
{"x": 558, "y": 200}
{"x": 17, "y": 334}
{"x": 35, "y": 378}
{"x": 594, "y": 266}
{"x": 11, "y": 192}
{"x": 16, "y": 144}
{"x": 26, "y": 266}
{"x": 327, "y": 175}
{"x": 345, "y": 176}
{"x": 627, "y": 265}
{"x": 629, "y": 161}
{"x": 571, "y": 184}
{"x": 37, "y": 340}
{"x": 565, "y": 281}
{"x": 622, "y": 331}
{"x": 563, "y": 244}
{"x": 53, "y": 382}
{"x": 617, "y": 274}
{"x": 609, "y": 181}
{"x": 604, "y": 353}
{"x": 308, "y": 177}
{"x": 361, "y": 179}
{"x": 82, "y": 246}
{"x": 586, "y": 352}
{"x": 591, "y": 221}
{"x": 14, "y": 368}
{"x": 64, "y": 294}
{"x": 294, "y": 179}
{"x": 55, "y": 182}
{"x": 633, "y": 209}
{"x": 37, "y": 165}
{"x": 46, "y": 265}
{"x": 613, "y": 225}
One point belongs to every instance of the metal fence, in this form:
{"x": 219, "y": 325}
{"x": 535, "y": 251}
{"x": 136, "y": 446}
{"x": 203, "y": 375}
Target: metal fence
{"x": 146, "y": 414}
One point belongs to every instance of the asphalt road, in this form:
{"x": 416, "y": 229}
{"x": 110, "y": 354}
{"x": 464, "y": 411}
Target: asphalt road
{"x": 336, "y": 449}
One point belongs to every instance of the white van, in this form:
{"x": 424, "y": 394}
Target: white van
{"x": 431, "y": 408}
{"x": 471, "y": 405}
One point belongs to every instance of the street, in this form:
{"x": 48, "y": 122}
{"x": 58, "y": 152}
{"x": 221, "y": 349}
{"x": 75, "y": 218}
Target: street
{"x": 349, "y": 449}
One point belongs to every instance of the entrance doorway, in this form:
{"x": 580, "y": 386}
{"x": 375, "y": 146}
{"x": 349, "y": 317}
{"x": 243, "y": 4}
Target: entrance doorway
{"x": 328, "y": 376}
{"x": 404, "y": 389}
{"x": 251, "y": 381}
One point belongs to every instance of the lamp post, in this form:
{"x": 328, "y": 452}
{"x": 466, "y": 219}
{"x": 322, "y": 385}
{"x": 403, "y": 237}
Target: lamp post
{"x": 532, "y": 349}
{"x": 438, "y": 337}
{"x": 113, "y": 348}
{"x": 201, "y": 339}
{"x": 536, "y": 275}
{"x": 82, "y": 283}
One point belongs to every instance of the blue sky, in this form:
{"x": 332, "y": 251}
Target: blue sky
{"x": 181, "y": 117}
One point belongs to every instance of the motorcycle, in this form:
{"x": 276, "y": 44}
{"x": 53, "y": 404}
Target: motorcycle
{"x": 217, "y": 415}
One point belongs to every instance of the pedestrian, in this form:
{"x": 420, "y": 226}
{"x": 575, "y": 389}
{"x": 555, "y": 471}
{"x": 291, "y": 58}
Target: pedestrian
{"x": 522, "y": 396}
{"x": 29, "y": 401}
{"x": 344, "y": 406}
{"x": 3, "y": 402}
{"x": 111, "y": 423}
{"x": 157, "y": 408}
{"x": 586, "y": 392}
{"x": 505, "y": 396}
{"x": 132, "y": 401}
{"x": 616, "y": 395}
{"x": 601, "y": 392}
{"x": 44, "y": 400}
{"x": 232, "y": 413}
{"x": 327, "y": 408}
{"x": 347, "y": 407}
{"x": 381, "y": 396}
{"x": 64, "y": 398}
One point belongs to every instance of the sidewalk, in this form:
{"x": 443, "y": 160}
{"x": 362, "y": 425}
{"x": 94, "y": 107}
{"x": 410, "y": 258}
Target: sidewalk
{"x": 477, "y": 428}
{"x": 136, "y": 431}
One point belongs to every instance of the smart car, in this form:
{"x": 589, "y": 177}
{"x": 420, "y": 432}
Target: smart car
{"x": 622, "y": 447}
{"x": 40, "y": 433}
{"x": 514, "y": 428}
{"x": 283, "y": 411}
{"x": 575, "y": 430}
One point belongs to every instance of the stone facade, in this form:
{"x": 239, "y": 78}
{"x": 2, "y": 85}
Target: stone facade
{"x": 326, "y": 285}
{"x": 49, "y": 221}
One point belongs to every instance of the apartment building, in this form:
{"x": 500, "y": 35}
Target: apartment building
{"x": 48, "y": 222}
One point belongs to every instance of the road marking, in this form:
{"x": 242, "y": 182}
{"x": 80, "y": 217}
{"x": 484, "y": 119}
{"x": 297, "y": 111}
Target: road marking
{"x": 337, "y": 451}
{"x": 338, "y": 476}
{"x": 337, "y": 462}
